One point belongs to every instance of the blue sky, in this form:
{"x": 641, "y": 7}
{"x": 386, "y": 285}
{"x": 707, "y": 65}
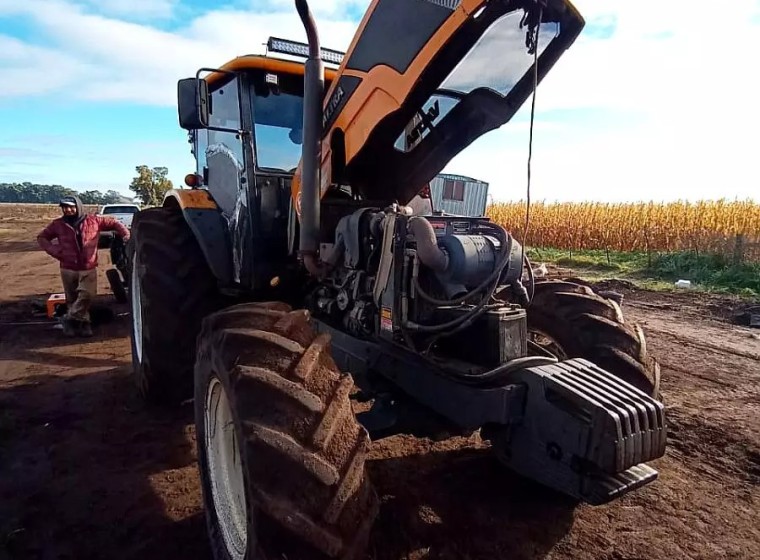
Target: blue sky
{"x": 656, "y": 100}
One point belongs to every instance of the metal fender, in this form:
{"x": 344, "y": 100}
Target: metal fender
{"x": 208, "y": 225}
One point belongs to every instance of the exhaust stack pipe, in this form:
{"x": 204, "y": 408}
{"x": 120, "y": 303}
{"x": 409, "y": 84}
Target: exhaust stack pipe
{"x": 311, "y": 150}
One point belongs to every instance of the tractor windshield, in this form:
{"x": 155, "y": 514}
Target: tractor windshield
{"x": 278, "y": 123}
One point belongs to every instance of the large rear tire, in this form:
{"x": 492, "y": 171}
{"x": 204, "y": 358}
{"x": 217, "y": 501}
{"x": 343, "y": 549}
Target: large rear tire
{"x": 278, "y": 442}
{"x": 575, "y": 322}
{"x": 171, "y": 290}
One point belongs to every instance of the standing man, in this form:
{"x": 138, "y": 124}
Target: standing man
{"x": 77, "y": 250}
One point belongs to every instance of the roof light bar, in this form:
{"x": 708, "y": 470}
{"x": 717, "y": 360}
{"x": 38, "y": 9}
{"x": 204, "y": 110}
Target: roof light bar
{"x": 286, "y": 46}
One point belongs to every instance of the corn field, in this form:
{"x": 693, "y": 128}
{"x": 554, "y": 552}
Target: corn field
{"x": 704, "y": 226}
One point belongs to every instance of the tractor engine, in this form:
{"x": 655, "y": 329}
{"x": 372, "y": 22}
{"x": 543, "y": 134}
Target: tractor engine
{"x": 428, "y": 283}
{"x": 344, "y": 297}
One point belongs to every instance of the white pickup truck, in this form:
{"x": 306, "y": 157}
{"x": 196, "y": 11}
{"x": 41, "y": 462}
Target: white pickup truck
{"x": 123, "y": 213}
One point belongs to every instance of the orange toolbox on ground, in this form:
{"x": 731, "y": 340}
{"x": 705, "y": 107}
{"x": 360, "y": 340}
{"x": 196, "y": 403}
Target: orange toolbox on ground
{"x": 53, "y": 302}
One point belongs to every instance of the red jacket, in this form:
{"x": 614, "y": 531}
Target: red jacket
{"x": 71, "y": 255}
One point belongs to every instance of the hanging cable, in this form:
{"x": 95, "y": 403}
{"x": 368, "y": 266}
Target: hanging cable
{"x": 532, "y": 43}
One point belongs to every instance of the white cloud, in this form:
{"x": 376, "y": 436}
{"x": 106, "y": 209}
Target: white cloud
{"x": 668, "y": 86}
{"x": 245, "y": 33}
{"x": 129, "y": 9}
{"x": 29, "y": 70}
{"x": 318, "y": 7}
{"x": 127, "y": 61}
{"x": 135, "y": 9}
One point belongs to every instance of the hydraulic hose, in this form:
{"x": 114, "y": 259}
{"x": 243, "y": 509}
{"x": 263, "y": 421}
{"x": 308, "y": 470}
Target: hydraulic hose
{"x": 454, "y": 323}
{"x": 498, "y": 374}
{"x": 506, "y": 242}
{"x": 459, "y": 323}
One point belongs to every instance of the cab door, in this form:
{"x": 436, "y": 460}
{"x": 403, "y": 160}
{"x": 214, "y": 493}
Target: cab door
{"x": 221, "y": 160}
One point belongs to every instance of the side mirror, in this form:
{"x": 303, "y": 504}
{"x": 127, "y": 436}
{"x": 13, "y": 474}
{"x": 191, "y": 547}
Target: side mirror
{"x": 192, "y": 103}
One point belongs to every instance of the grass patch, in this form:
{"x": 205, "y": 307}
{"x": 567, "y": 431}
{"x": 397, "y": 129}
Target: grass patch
{"x": 604, "y": 261}
{"x": 711, "y": 271}
{"x": 586, "y": 262}
{"x": 708, "y": 272}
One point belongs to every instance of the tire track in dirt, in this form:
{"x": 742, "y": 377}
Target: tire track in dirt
{"x": 716, "y": 446}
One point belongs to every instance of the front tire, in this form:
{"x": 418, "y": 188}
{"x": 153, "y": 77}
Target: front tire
{"x": 171, "y": 290}
{"x": 578, "y": 323}
{"x": 117, "y": 285}
{"x": 277, "y": 439}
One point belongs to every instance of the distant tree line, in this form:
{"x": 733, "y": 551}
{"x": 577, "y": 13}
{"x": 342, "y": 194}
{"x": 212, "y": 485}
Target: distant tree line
{"x": 149, "y": 185}
{"x": 50, "y": 194}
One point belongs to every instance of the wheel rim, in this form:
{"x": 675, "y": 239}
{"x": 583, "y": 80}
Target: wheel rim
{"x": 225, "y": 470}
{"x": 134, "y": 291}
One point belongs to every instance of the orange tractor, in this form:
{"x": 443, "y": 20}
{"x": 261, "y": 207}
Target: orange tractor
{"x": 303, "y": 273}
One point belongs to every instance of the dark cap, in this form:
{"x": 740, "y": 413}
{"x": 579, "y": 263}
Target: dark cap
{"x": 67, "y": 201}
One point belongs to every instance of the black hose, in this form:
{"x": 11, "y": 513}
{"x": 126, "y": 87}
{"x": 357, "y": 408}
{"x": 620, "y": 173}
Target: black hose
{"x": 515, "y": 364}
{"x": 462, "y": 321}
{"x": 470, "y": 316}
{"x": 499, "y": 374}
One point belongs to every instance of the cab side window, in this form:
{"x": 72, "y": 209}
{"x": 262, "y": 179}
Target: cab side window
{"x": 221, "y": 153}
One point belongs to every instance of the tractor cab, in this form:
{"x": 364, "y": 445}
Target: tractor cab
{"x": 245, "y": 123}
{"x": 245, "y": 119}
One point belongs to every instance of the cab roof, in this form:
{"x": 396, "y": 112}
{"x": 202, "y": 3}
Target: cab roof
{"x": 252, "y": 62}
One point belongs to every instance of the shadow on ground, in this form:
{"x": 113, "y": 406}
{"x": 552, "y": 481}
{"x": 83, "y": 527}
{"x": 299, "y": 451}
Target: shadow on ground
{"x": 79, "y": 459}
{"x": 86, "y": 469}
{"x": 462, "y": 504}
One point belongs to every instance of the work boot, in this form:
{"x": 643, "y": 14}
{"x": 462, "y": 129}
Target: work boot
{"x": 85, "y": 329}
{"x": 68, "y": 327}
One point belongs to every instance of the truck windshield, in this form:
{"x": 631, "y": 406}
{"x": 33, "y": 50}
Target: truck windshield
{"x": 120, "y": 210}
{"x": 278, "y": 120}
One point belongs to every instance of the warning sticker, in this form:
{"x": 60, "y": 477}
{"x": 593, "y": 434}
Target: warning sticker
{"x": 386, "y": 319}
{"x": 438, "y": 227}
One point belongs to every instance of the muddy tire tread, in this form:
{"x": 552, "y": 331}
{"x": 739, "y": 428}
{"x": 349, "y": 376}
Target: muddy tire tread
{"x": 291, "y": 406}
{"x": 590, "y": 326}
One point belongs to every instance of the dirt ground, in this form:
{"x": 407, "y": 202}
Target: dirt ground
{"x": 87, "y": 471}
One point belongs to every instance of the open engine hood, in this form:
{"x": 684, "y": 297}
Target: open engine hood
{"x": 422, "y": 79}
